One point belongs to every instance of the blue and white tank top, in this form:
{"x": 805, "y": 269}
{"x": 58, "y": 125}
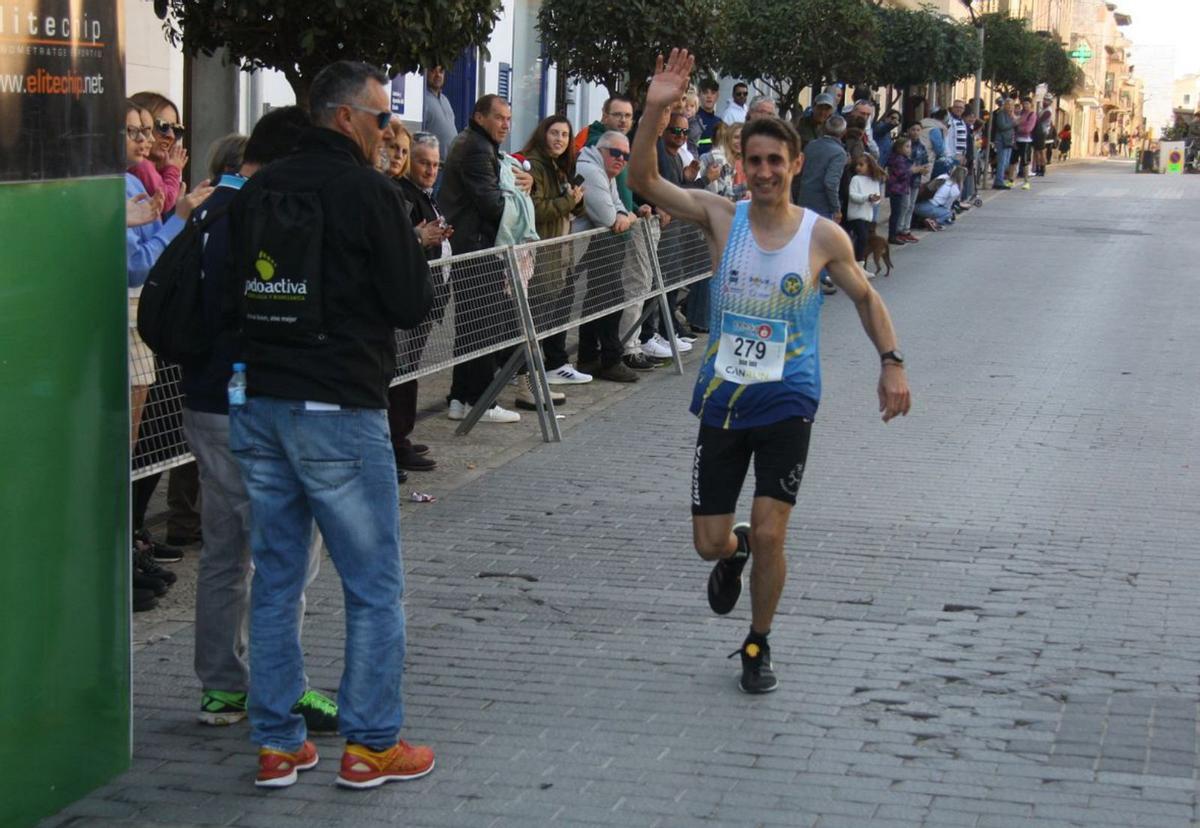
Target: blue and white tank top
{"x": 762, "y": 364}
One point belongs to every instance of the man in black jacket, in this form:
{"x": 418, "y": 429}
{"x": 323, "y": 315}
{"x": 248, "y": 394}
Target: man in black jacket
{"x": 474, "y": 204}
{"x": 223, "y": 573}
{"x": 328, "y": 267}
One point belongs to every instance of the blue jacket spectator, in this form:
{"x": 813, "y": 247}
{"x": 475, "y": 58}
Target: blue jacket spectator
{"x": 144, "y": 244}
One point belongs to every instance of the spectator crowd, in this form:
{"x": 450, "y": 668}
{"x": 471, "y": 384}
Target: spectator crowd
{"x": 335, "y": 241}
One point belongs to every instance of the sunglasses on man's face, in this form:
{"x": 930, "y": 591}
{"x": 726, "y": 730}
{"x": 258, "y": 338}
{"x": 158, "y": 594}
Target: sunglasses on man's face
{"x": 677, "y": 130}
{"x": 382, "y": 117}
{"x": 164, "y": 128}
{"x": 616, "y": 153}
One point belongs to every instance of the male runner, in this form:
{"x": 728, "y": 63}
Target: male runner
{"x": 760, "y": 381}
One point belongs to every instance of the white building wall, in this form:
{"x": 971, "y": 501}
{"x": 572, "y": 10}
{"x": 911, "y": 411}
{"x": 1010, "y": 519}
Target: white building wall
{"x": 528, "y": 69}
{"x": 151, "y": 65}
{"x": 500, "y": 48}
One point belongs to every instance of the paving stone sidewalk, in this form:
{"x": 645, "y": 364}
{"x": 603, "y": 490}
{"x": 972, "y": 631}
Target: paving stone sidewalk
{"x": 990, "y": 618}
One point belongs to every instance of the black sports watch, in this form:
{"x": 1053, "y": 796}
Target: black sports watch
{"x": 892, "y": 356}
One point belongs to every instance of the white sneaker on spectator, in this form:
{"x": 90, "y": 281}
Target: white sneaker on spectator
{"x": 656, "y": 348}
{"x": 682, "y": 344}
{"x": 458, "y": 410}
{"x": 567, "y": 375}
{"x": 496, "y": 414}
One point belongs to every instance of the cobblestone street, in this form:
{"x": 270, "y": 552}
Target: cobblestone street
{"x": 990, "y": 618}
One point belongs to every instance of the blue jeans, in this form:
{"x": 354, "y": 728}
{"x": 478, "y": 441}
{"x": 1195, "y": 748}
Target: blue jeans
{"x": 910, "y": 201}
{"x": 897, "y": 205}
{"x": 926, "y": 209}
{"x": 1002, "y": 156}
{"x": 336, "y": 467}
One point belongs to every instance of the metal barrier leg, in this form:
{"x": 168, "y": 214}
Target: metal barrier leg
{"x": 541, "y": 392}
{"x": 538, "y": 381}
{"x": 541, "y": 395}
{"x": 637, "y": 326}
{"x": 664, "y": 307}
{"x": 488, "y": 397}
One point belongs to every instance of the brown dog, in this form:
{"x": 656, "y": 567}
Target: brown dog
{"x": 877, "y": 247}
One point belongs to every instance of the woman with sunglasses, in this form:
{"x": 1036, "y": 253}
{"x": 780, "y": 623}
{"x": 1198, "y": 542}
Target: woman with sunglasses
{"x": 162, "y": 170}
{"x": 146, "y": 236}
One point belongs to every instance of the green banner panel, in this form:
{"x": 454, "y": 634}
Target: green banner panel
{"x": 64, "y": 545}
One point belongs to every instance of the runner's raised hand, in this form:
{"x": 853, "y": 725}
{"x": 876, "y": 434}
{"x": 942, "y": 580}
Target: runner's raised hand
{"x": 671, "y": 79}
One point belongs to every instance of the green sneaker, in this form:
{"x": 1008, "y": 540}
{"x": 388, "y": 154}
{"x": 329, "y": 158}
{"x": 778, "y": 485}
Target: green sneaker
{"x": 320, "y": 712}
{"x": 219, "y": 708}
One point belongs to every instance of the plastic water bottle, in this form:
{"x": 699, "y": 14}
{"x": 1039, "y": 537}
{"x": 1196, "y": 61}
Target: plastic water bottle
{"x": 237, "y": 384}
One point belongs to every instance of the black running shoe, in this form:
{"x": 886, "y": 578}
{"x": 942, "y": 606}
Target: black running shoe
{"x": 725, "y": 580}
{"x": 143, "y": 560}
{"x": 144, "y": 600}
{"x": 155, "y": 585}
{"x": 161, "y": 552}
{"x": 757, "y": 675}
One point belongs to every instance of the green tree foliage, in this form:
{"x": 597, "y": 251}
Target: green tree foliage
{"x": 1059, "y": 72}
{"x": 616, "y": 43}
{"x": 299, "y": 37}
{"x": 960, "y": 50}
{"x": 793, "y": 44}
{"x": 1013, "y": 56}
{"x": 922, "y": 46}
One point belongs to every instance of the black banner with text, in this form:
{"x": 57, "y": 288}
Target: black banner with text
{"x": 62, "y": 88}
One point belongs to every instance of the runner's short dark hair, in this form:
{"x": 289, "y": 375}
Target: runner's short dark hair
{"x": 709, "y": 85}
{"x": 776, "y": 128}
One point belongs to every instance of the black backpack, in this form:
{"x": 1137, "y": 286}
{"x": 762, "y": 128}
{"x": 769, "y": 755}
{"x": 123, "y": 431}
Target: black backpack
{"x": 170, "y": 314}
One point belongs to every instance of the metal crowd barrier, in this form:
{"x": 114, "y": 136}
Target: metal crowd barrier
{"x": 502, "y": 301}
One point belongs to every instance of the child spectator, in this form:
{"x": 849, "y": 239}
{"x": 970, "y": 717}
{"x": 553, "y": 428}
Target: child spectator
{"x": 865, "y": 189}
{"x": 899, "y": 175}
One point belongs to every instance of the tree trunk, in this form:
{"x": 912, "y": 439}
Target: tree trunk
{"x": 636, "y": 90}
{"x": 301, "y": 84}
{"x": 787, "y": 103}
{"x": 560, "y": 93}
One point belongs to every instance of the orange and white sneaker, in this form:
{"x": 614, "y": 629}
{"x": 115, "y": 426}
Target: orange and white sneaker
{"x": 366, "y": 768}
{"x": 278, "y": 768}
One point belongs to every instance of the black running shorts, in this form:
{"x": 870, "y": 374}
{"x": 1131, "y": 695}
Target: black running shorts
{"x": 723, "y": 456}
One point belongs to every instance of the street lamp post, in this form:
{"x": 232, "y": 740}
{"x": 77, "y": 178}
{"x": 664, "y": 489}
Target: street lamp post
{"x": 981, "y": 26}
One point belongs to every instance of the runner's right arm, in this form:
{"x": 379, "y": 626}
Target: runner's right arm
{"x": 694, "y": 205}
{"x": 894, "y": 396}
